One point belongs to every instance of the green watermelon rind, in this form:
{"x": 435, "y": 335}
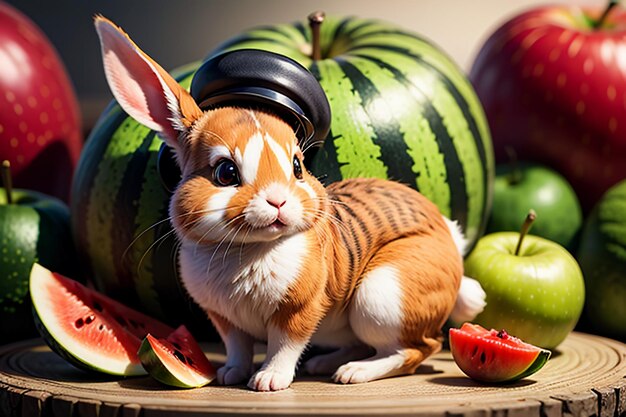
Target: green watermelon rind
{"x": 60, "y": 342}
{"x": 537, "y": 364}
{"x": 161, "y": 372}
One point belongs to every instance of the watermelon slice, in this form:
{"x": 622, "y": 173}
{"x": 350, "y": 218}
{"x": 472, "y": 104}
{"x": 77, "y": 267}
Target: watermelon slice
{"x": 494, "y": 356}
{"x": 177, "y": 360}
{"x": 90, "y": 330}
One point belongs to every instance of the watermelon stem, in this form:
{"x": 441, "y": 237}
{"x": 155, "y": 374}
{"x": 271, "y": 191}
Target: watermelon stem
{"x": 530, "y": 218}
{"x": 315, "y": 22}
{"x": 7, "y": 181}
{"x": 600, "y": 22}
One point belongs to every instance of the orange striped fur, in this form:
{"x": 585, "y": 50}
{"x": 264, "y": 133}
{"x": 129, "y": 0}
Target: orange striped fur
{"x": 365, "y": 223}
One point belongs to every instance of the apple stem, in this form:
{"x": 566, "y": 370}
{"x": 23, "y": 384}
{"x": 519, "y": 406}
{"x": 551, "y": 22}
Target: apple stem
{"x": 598, "y": 24}
{"x": 6, "y": 180}
{"x": 530, "y": 218}
{"x": 515, "y": 176}
{"x": 315, "y": 21}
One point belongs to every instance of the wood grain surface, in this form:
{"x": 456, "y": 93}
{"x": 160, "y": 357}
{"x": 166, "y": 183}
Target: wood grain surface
{"x": 585, "y": 377}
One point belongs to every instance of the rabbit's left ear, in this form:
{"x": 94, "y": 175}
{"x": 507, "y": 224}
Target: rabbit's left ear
{"x": 142, "y": 87}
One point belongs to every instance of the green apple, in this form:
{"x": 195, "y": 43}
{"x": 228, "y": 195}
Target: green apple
{"x": 518, "y": 188}
{"x": 535, "y": 288}
{"x": 34, "y": 227}
{"x": 602, "y": 257}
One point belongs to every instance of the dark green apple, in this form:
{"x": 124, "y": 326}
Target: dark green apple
{"x": 518, "y": 188}
{"x": 536, "y": 293}
{"x": 34, "y": 227}
{"x": 602, "y": 257}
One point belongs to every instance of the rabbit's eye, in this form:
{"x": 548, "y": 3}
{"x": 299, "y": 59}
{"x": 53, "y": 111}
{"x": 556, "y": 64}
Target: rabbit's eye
{"x": 226, "y": 174}
{"x": 297, "y": 168}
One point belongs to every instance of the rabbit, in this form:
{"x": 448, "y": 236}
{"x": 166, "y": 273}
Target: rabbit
{"x": 369, "y": 267}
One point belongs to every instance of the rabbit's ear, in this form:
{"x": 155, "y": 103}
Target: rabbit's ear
{"x": 144, "y": 90}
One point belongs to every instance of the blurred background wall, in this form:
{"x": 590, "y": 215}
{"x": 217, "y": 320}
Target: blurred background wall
{"x": 182, "y": 31}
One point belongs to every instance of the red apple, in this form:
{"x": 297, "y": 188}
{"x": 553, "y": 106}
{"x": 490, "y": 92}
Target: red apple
{"x": 552, "y": 81}
{"x": 40, "y": 128}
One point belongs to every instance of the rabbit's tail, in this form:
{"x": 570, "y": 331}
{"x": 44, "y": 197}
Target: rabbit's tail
{"x": 471, "y": 299}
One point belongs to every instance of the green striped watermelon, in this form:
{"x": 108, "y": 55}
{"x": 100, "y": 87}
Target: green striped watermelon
{"x": 401, "y": 110}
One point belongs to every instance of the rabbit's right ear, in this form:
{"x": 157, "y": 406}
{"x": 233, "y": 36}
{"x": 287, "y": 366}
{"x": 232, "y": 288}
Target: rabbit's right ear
{"x": 144, "y": 90}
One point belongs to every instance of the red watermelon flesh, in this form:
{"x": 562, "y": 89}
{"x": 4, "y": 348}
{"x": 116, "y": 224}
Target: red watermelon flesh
{"x": 177, "y": 360}
{"x": 92, "y": 331}
{"x": 494, "y": 356}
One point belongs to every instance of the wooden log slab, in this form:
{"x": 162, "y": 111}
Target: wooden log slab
{"x": 585, "y": 377}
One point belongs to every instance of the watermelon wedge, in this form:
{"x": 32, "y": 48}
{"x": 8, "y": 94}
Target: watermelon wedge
{"x": 494, "y": 356}
{"x": 177, "y": 360}
{"x": 90, "y": 330}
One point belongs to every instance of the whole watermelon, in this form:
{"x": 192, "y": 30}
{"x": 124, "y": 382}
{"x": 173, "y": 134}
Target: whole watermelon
{"x": 400, "y": 109}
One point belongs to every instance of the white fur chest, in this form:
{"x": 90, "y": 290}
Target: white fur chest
{"x": 244, "y": 286}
